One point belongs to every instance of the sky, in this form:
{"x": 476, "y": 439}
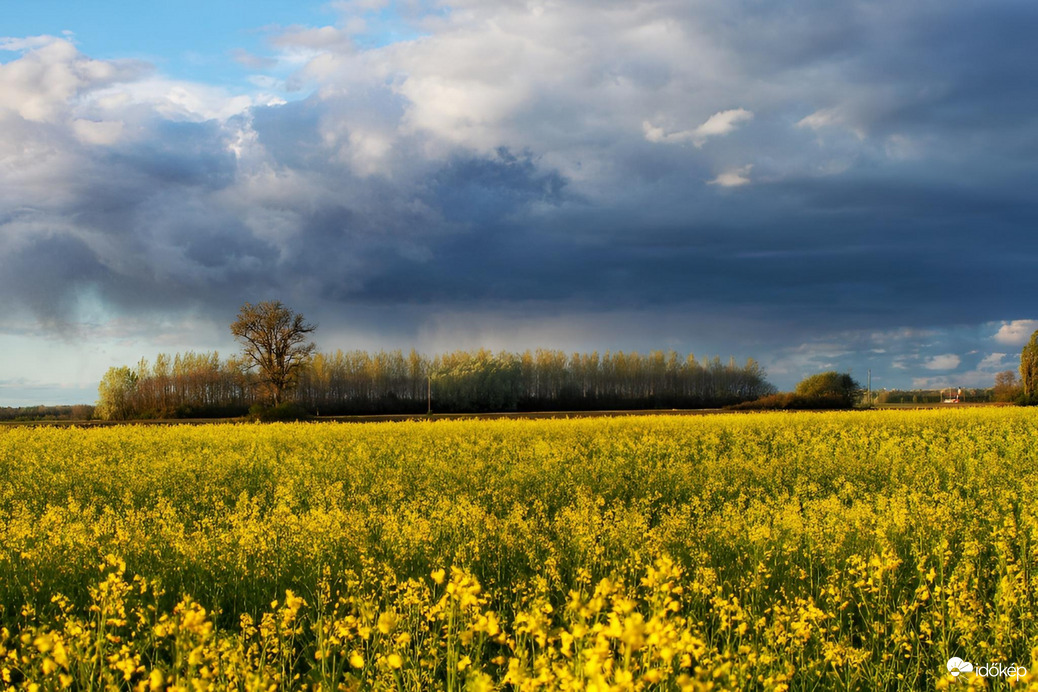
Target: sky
{"x": 815, "y": 185}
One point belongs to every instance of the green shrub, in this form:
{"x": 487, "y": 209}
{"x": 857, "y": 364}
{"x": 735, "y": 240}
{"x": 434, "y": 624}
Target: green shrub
{"x": 287, "y": 411}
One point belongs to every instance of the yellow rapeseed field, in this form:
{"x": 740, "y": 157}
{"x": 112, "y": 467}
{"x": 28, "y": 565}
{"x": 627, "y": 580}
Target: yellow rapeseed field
{"x": 814, "y": 551}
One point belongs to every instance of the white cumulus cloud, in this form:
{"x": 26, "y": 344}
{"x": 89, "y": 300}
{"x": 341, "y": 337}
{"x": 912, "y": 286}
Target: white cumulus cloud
{"x": 1015, "y": 332}
{"x": 947, "y": 361}
{"x": 41, "y": 85}
{"x": 718, "y": 124}
{"x": 992, "y": 362}
{"x": 734, "y": 178}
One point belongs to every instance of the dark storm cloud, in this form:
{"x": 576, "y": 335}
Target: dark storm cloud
{"x": 177, "y": 154}
{"x": 812, "y": 166}
{"x": 290, "y": 133}
{"x": 976, "y": 59}
{"x": 46, "y": 274}
{"x": 478, "y": 191}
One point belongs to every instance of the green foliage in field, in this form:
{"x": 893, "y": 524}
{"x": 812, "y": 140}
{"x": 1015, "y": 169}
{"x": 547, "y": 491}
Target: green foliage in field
{"x": 838, "y": 386}
{"x": 759, "y": 551}
{"x": 826, "y": 390}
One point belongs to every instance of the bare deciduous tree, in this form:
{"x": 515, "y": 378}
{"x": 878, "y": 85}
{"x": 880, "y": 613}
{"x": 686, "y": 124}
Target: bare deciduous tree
{"x": 274, "y": 340}
{"x": 1007, "y": 386}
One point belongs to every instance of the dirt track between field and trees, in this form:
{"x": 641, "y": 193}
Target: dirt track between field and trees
{"x": 532, "y": 415}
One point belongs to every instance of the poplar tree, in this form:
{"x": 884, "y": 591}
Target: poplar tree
{"x": 1029, "y": 365}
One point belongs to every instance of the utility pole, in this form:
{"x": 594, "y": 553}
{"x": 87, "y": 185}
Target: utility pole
{"x": 429, "y": 394}
{"x": 870, "y": 386}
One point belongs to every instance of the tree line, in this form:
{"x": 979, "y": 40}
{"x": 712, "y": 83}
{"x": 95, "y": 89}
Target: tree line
{"x": 358, "y": 382}
{"x": 46, "y": 413}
